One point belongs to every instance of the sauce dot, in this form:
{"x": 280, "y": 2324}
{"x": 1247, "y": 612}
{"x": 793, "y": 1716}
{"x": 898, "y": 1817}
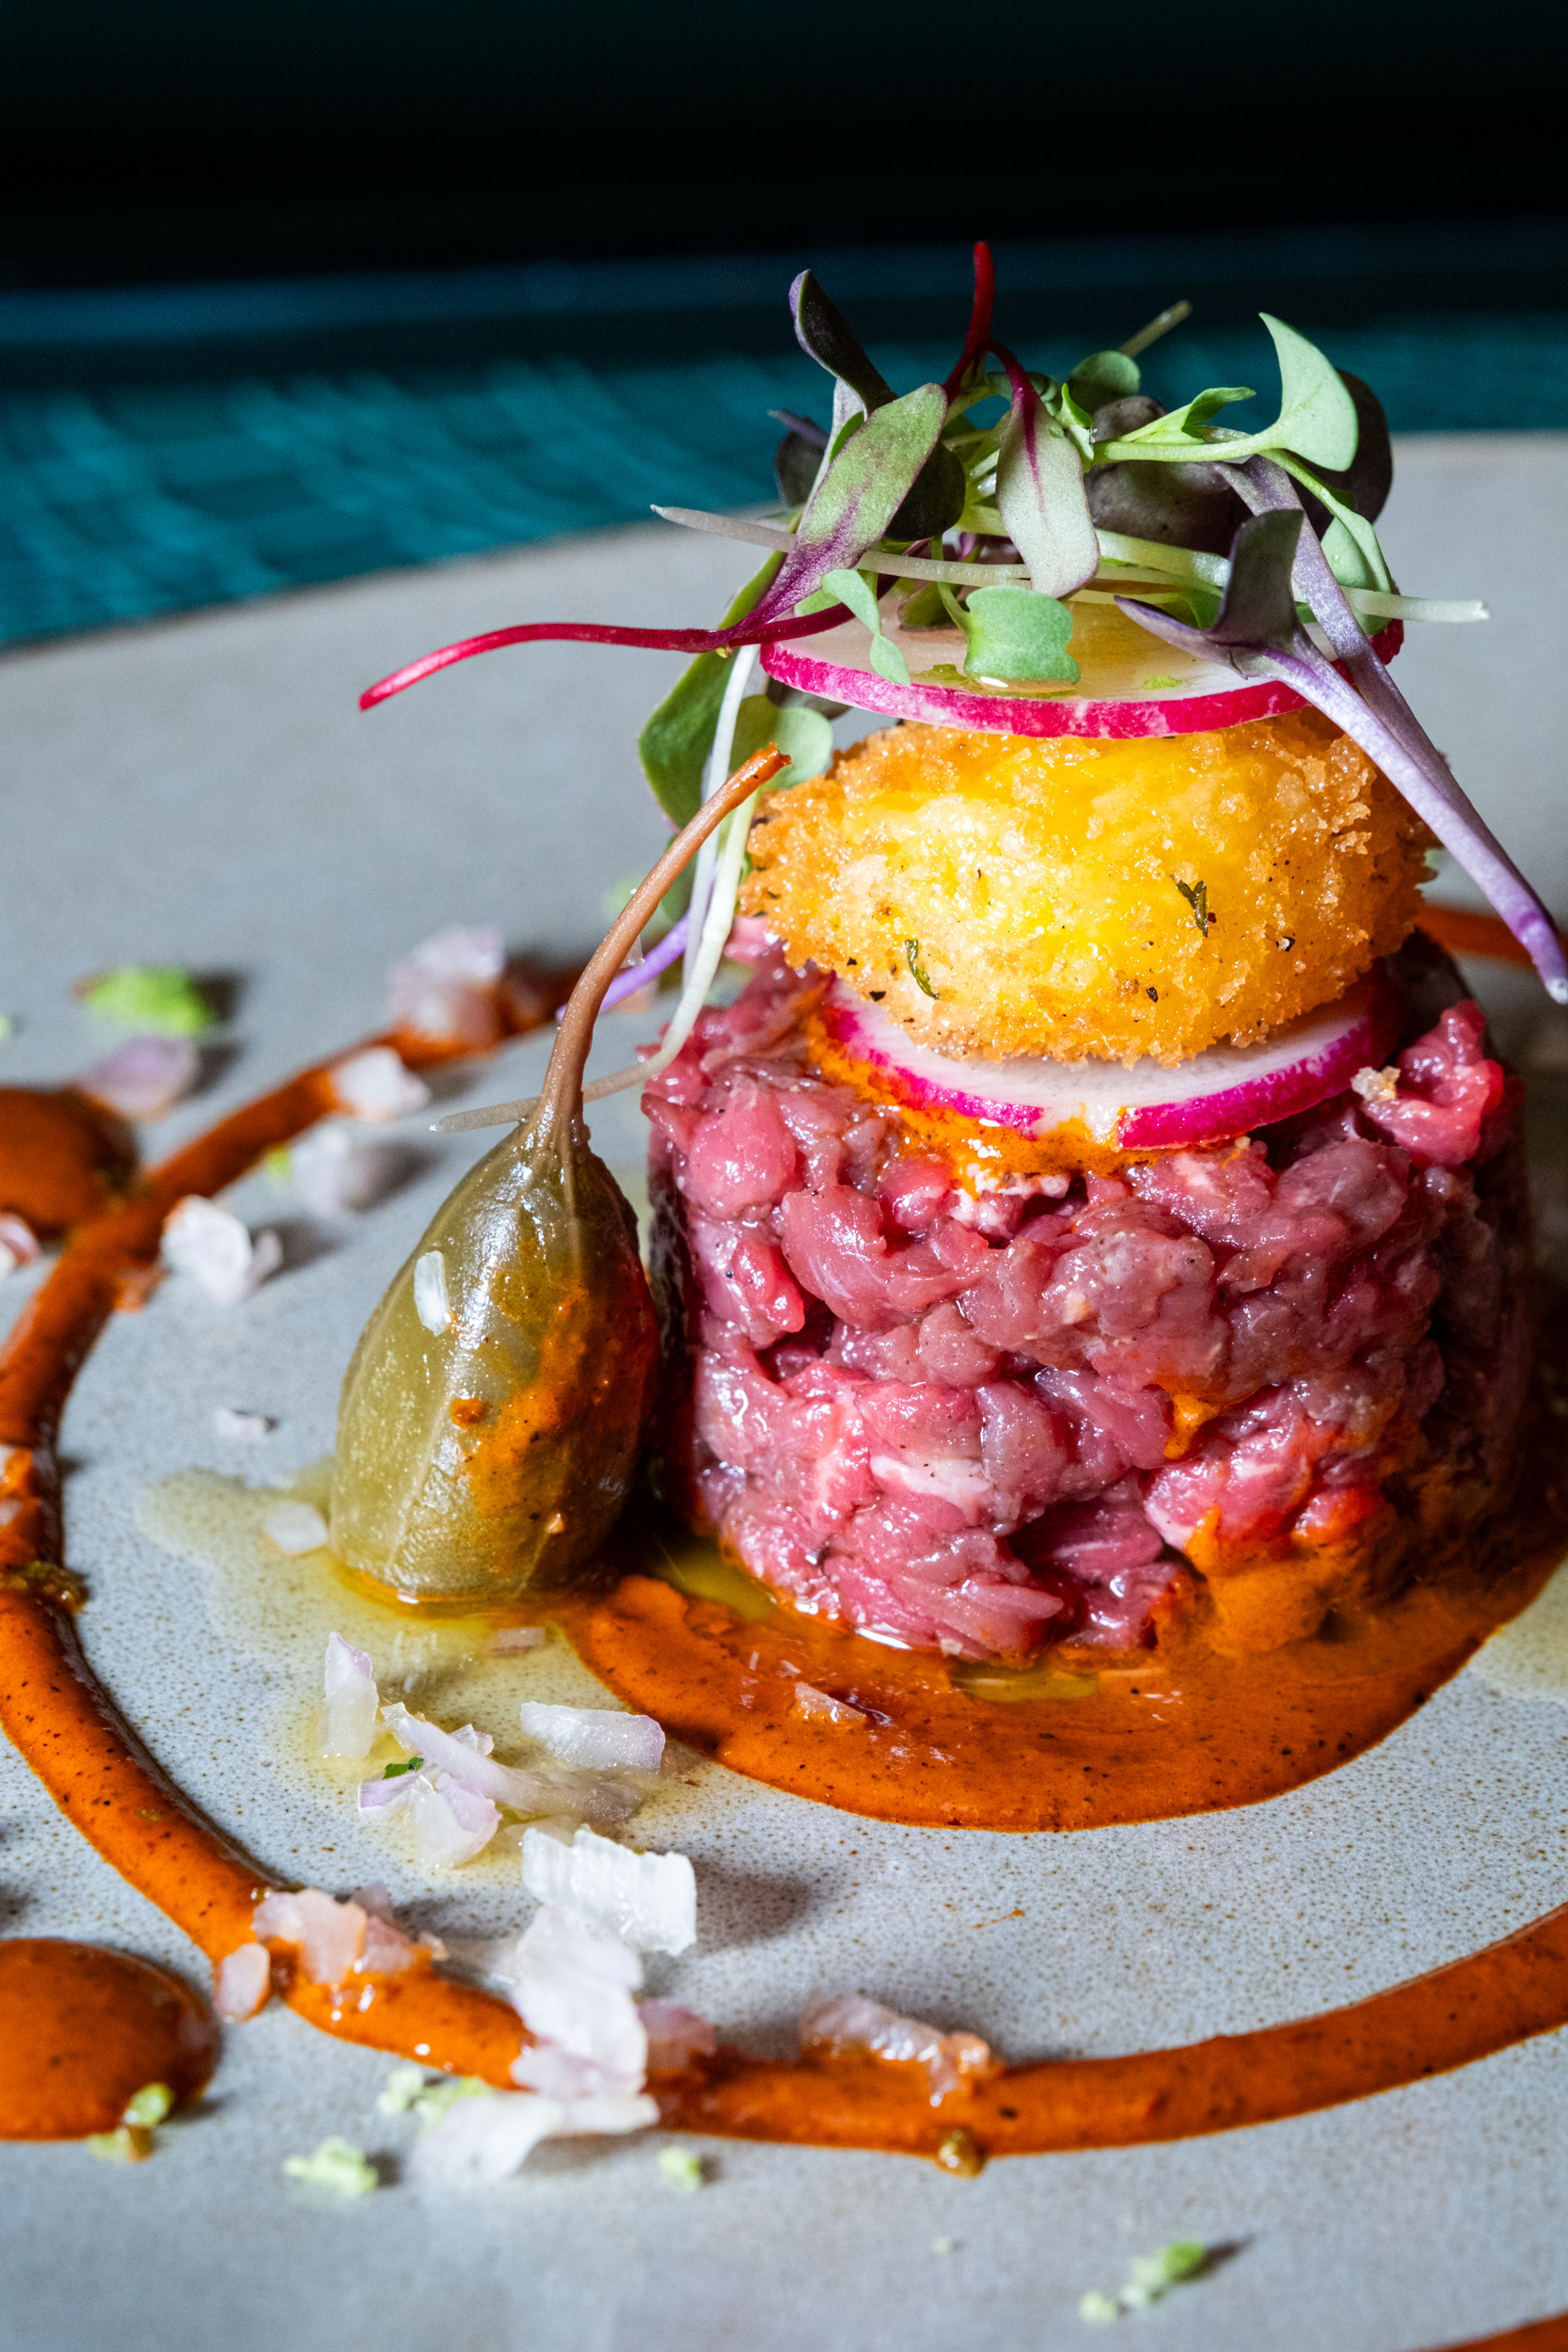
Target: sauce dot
{"x": 62, "y": 1159}
{"x": 82, "y": 2030}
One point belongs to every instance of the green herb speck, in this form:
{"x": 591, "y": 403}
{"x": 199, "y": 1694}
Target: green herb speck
{"x": 343, "y": 2170}
{"x": 159, "y": 997}
{"x": 681, "y": 2168}
{"x": 1198, "y": 898}
{"x": 911, "y": 957}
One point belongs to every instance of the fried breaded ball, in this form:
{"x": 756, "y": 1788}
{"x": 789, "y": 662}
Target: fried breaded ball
{"x": 1072, "y": 895}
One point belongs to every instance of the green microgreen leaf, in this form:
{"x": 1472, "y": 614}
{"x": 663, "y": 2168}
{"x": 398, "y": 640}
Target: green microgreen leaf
{"x": 846, "y": 434}
{"x": 1357, "y": 527}
{"x": 336, "y": 2167}
{"x": 1103, "y": 375}
{"x": 1015, "y": 634}
{"x": 409, "y": 1764}
{"x": 1317, "y": 415}
{"x": 801, "y": 732}
{"x": 851, "y": 588}
{"x": 911, "y": 957}
{"x": 676, "y": 740}
{"x": 1174, "y": 434}
{"x": 925, "y": 609}
{"x": 160, "y": 998}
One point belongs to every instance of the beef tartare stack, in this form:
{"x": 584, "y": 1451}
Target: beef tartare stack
{"x": 1099, "y": 1220}
{"x": 970, "y": 1355}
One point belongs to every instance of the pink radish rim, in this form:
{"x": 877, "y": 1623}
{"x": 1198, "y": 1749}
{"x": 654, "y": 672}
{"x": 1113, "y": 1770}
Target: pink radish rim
{"x": 798, "y": 663}
{"x": 1219, "y": 1094}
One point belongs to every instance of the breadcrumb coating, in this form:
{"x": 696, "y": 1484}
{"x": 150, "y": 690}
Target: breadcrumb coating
{"x": 1066, "y": 895}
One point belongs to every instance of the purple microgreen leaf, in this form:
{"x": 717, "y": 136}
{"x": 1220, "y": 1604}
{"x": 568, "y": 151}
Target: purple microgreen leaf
{"x": 936, "y": 500}
{"x": 807, "y": 427}
{"x": 1317, "y": 416}
{"x": 794, "y": 469}
{"x": 1015, "y": 634}
{"x": 1040, "y": 495}
{"x": 825, "y": 335}
{"x": 858, "y": 496}
{"x": 1259, "y": 607}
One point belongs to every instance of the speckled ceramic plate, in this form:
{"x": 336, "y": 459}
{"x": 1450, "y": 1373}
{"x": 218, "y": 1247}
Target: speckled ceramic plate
{"x": 205, "y": 792}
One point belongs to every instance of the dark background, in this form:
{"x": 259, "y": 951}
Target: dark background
{"x": 147, "y": 140}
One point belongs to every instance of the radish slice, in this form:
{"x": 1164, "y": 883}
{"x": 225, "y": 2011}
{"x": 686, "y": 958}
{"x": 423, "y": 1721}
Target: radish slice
{"x": 1113, "y": 696}
{"x": 1229, "y": 1090}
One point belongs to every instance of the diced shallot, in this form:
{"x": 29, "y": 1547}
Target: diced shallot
{"x": 296, "y": 1528}
{"x": 18, "y": 1243}
{"x": 243, "y": 1983}
{"x": 536, "y": 1793}
{"x": 599, "y": 1738}
{"x": 649, "y": 1900}
{"x": 144, "y": 1078}
{"x": 445, "y": 989}
{"x": 336, "y": 1939}
{"x": 676, "y": 2035}
{"x": 834, "y": 2023}
{"x": 347, "y": 1723}
{"x": 330, "y": 1935}
{"x": 375, "y": 1085}
{"x": 450, "y": 1825}
{"x": 215, "y": 1247}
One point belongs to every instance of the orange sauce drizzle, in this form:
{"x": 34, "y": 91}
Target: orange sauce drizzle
{"x": 67, "y": 1729}
{"x": 83, "y": 2030}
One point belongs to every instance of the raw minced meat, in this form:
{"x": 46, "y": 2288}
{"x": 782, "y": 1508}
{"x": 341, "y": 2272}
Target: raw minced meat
{"x": 982, "y": 1422}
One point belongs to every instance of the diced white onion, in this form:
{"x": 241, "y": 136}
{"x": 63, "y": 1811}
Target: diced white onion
{"x": 598, "y": 1737}
{"x": 375, "y": 1085}
{"x": 648, "y": 1899}
{"x": 347, "y": 1723}
{"x": 294, "y": 1528}
{"x": 214, "y": 1248}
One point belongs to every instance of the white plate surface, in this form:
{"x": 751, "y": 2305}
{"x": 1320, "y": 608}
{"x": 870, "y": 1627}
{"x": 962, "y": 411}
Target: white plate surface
{"x": 205, "y": 792}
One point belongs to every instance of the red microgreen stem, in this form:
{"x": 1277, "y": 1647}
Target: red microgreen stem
{"x": 979, "y": 318}
{"x": 687, "y": 640}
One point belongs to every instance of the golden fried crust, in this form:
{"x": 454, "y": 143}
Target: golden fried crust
{"x": 1039, "y": 877}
